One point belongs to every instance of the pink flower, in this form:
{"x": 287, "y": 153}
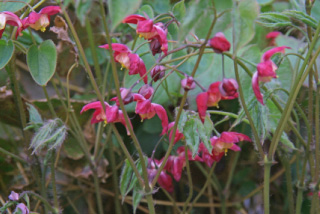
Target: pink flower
{"x": 126, "y": 96}
{"x": 9, "y": 18}
{"x": 211, "y": 98}
{"x": 146, "y": 91}
{"x": 188, "y": 83}
{"x": 14, "y": 196}
{"x": 265, "y": 71}
{"x": 148, "y": 110}
{"x": 157, "y": 72}
{"x": 229, "y": 88}
{"x": 111, "y": 115}
{"x": 128, "y": 60}
{"x": 272, "y": 37}
{"x": 150, "y": 31}
{"x": 23, "y": 208}
{"x": 175, "y": 164}
{"x": 178, "y": 136}
{"x": 39, "y": 21}
{"x": 219, "y": 43}
{"x": 164, "y": 180}
{"x": 227, "y": 140}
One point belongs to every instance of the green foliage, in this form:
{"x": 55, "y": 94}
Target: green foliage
{"x": 179, "y": 10}
{"x": 35, "y": 119}
{"x": 42, "y": 61}
{"x": 7, "y": 5}
{"x": 6, "y": 52}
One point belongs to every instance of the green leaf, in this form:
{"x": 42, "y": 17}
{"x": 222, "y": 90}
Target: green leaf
{"x": 120, "y": 9}
{"x": 190, "y": 131}
{"x": 82, "y": 9}
{"x": 72, "y": 149}
{"x": 245, "y": 15}
{"x": 179, "y": 10}
{"x": 137, "y": 195}
{"x": 183, "y": 119}
{"x": 6, "y": 52}
{"x": 301, "y": 16}
{"x": 208, "y": 128}
{"x": 273, "y": 19}
{"x": 42, "y": 61}
{"x": 34, "y": 116}
{"x": 7, "y": 5}
{"x": 146, "y": 9}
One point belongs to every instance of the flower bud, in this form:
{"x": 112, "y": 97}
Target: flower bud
{"x": 155, "y": 46}
{"x": 146, "y": 91}
{"x": 14, "y": 196}
{"x": 158, "y": 72}
{"x": 188, "y": 83}
{"x": 228, "y": 87}
{"x": 126, "y": 96}
{"x": 219, "y": 43}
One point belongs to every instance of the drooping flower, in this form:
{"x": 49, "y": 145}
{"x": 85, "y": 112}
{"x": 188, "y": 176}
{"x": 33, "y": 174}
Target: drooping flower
{"x": 175, "y": 164}
{"x": 14, "y": 196}
{"x": 128, "y": 60}
{"x": 157, "y": 33}
{"x": 221, "y": 145}
{"x": 23, "y": 208}
{"x": 147, "y": 110}
{"x": 112, "y": 114}
{"x": 229, "y": 88}
{"x": 146, "y": 91}
{"x": 164, "y": 180}
{"x": 157, "y": 72}
{"x": 178, "y": 136}
{"x": 12, "y": 19}
{"x": 188, "y": 83}
{"x": 126, "y": 95}
{"x": 272, "y": 37}
{"x": 40, "y": 20}
{"x": 211, "y": 98}
{"x": 265, "y": 71}
{"x": 219, "y": 43}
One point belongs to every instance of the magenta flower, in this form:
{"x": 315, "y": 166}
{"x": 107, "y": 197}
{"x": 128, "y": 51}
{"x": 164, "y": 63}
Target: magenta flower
{"x": 146, "y": 91}
{"x": 126, "y": 95}
{"x": 229, "y": 88}
{"x": 219, "y": 43}
{"x": 14, "y": 196}
{"x": 128, "y": 60}
{"x": 157, "y": 33}
{"x": 265, "y": 71}
{"x": 188, "y": 83}
{"x": 111, "y": 115}
{"x": 164, "y": 180}
{"x": 148, "y": 110}
{"x": 157, "y": 72}
{"x": 272, "y": 36}
{"x": 41, "y": 20}
{"x": 211, "y": 98}
{"x": 12, "y": 19}
{"x": 23, "y": 208}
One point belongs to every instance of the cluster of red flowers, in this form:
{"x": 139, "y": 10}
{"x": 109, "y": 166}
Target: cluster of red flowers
{"x": 37, "y": 21}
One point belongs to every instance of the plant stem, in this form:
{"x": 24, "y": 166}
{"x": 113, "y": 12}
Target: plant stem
{"x": 266, "y": 184}
{"x": 190, "y": 184}
{"x": 49, "y": 102}
{"x": 13, "y": 155}
{"x": 53, "y": 180}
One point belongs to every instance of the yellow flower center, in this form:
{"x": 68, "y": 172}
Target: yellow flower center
{"x": 105, "y": 123}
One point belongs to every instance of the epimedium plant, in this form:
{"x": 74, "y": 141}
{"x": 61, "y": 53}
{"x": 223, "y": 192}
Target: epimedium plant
{"x": 184, "y": 62}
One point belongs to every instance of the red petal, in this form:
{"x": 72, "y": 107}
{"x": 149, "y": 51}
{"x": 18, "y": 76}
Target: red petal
{"x": 273, "y": 35}
{"x": 143, "y": 71}
{"x": 268, "y": 54}
{"x": 93, "y": 105}
{"x": 256, "y": 88}
{"x": 145, "y": 26}
{"x": 50, "y": 10}
{"x": 116, "y": 47}
{"x": 133, "y": 19}
{"x": 33, "y": 17}
{"x": 202, "y": 100}
{"x": 162, "y": 114}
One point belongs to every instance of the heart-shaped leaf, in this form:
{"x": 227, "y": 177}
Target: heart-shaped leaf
{"x": 42, "y": 61}
{"x": 6, "y": 52}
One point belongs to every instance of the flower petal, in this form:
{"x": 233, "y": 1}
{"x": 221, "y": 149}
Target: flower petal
{"x": 162, "y": 114}
{"x": 116, "y": 47}
{"x": 268, "y": 54}
{"x": 133, "y": 19}
{"x": 201, "y": 101}
{"x": 93, "y": 105}
{"x": 256, "y": 88}
{"x": 50, "y": 10}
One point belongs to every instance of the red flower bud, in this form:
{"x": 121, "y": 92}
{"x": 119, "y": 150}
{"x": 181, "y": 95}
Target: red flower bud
{"x": 188, "y": 83}
{"x": 228, "y": 87}
{"x": 158, "y": 72}
{"x": 219, "y": 43}
{"x": 155, "y": 46}
{"x": 146, "y": 91}
{"x": 126, "y": 96}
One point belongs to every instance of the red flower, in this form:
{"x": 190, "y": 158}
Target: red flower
{"x": 39, "y": 21}
{"x": 157, "y": 72}
{"x": 211, "y": 98}
{"x": 131, "y": 61}
{"x": 229, "y": 88}
{"x": 9, "y": 18}
{"x": 150, "y": 31}
{"x": 219, "y": 43}
{"x": 175, "y": 164}
{"x": 227, "y": 140}
{"x": 272, "y": 37}
{"x": 147, "y": 110}
{"x": 164, "y": 180}
{"x": 111, "y": 115}
{"x": 126, "y": 96}
{"x": 178, "y": 136}
{"x": 146, "y": 91}
{"x": 265, "y": 71}
{"x": 188, "y": 83}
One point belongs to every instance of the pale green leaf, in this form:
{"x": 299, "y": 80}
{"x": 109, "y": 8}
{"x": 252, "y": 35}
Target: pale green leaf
{"x": 6, "y": 52}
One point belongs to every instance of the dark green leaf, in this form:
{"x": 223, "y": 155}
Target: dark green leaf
{"x": 7, "y": 5}
{"x": 120, "y": 9}
{"x": 137, "y": 195}
{"x": 125, "y": 178}
{"x": 42, "y": 61}
{"x": 72, "y": 149}
{"x": 6, "y": 52}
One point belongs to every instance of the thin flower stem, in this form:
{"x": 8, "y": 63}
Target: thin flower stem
{"x": 13, "y": 155}
{"x": 53, "y": 180}
{"x": 266, "y": 185}
{"x": 49, "y": 102}
{"x": 133, "y": 136}
{"x": 223, "y": 73}
{"x": 190, "y": 184}
{"x": 43, "y": 200}
{"x": 229, "y": 114}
